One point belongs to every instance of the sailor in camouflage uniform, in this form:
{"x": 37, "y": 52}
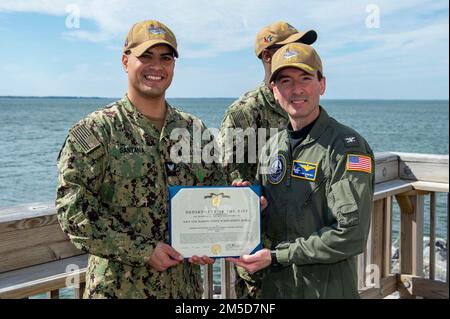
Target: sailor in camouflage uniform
{"x": 114, "y": 171}
{"x": 257, "y": 109}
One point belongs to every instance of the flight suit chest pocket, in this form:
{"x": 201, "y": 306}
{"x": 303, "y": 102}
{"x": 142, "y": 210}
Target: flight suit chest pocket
{"x": 134, "y": 178}
{"x": 344, "y": 205}
{"x": 305, "y": 211}
{"x": 308, "y": 179}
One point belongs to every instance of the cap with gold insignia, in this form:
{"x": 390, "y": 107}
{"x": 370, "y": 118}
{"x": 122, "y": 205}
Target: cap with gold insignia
{"x": 296, "y": 55}
{"x": 281, "y": 33}
{"x": 146, "y": 34}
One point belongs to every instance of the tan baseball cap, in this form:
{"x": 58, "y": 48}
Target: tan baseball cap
{"x": 281, "y": 33}
{"x": 296, "y": 55}
{"x": 146, "y": 34}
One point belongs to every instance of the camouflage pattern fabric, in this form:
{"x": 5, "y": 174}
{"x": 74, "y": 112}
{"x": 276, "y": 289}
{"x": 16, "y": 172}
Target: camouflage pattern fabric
{"x": 256, "y": 109}
{"x": 112, "y": 200}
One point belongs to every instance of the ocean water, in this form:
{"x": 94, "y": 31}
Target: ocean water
{"x": 32, "y": 130}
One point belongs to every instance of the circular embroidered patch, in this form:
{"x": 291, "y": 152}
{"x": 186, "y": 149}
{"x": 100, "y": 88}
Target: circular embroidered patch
{"x": 277, "y": 169}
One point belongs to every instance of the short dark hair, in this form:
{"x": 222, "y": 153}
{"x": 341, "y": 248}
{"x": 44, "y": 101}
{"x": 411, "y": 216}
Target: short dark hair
{"x": 319, "y": 76}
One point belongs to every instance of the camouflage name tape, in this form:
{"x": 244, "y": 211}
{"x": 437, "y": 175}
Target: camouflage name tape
{"x": 239, "y": 119}
{"x": 85, "y": 139}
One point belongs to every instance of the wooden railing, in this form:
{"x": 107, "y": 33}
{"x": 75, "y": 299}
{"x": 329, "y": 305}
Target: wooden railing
{"x": 404, "y": 179}
{"x": 37, "y": 258}
{"x": 35, "y": 255}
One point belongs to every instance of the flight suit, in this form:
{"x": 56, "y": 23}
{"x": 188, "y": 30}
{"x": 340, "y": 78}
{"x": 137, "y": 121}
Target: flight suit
{"x": 320, "y": 200}
{"x": 256, "y": 110}
{"x": 112, "y": 199}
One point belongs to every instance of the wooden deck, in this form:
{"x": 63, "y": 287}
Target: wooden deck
{"x": 37, "y": 257}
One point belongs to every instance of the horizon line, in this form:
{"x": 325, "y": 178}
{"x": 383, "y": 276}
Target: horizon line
{"x": 204, "y": 98}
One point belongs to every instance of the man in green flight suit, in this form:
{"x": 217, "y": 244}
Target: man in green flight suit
{"x": 258, "y": 111}
{"x": 318, "y": 182}
{"x": 114, "y": 171}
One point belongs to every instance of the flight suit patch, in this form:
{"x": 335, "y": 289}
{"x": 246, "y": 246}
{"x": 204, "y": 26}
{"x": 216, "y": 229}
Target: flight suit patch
{"x": 85, "y": 139}
{"x": 359, "y": 163}
{"x": 304, "y": 170}
{"x": 351, "y": 140}
{"x": 277, "y": 169}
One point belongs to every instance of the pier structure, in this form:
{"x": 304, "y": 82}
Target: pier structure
{"x": 36, "y": 257}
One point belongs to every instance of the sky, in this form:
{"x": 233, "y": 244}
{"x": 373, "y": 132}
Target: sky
{"x": 370, "y": 49}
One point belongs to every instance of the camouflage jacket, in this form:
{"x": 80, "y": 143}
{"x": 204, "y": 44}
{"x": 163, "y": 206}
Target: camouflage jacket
{"x": 112, "y": 200}
{"x": 256, "y": 109}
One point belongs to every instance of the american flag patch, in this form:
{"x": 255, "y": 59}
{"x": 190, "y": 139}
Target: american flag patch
{"x": 85, "y": 139}
{"x": 359, "y": 163}
{"x": 239, "y": 119}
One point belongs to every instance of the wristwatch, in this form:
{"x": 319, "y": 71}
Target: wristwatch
{"x": 275, "y": 263}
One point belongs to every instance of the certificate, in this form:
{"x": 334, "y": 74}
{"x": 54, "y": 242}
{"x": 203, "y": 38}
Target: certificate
{"x": 215, "y": 221}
